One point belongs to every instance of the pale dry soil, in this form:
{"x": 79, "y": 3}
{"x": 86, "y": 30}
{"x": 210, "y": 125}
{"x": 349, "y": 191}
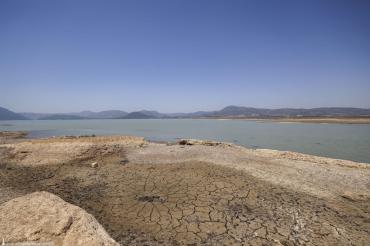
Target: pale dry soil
{"x": 196, "y": 193}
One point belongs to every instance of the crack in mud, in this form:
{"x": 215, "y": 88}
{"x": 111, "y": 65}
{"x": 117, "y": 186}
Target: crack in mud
{"x": 192, "y": 203}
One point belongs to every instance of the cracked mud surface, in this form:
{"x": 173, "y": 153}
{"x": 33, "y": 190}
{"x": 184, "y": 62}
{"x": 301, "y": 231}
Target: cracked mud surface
{"x": 191, "y": 203}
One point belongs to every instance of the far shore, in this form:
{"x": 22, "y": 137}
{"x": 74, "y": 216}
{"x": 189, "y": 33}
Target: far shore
{"x": 319, "y": 120}
{"x": 325, "y": 120}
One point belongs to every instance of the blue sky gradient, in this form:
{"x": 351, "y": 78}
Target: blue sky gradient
{"x": 182, "y": 56}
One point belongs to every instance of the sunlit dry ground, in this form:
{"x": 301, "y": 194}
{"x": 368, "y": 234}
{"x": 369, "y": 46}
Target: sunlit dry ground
{"x": 153, "y": 194}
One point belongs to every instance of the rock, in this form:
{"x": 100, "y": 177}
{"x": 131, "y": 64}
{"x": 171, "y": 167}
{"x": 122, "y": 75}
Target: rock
{"x": 44, "y": 217}
{"x": 203, "y": 142}
{"x": 94, "y": 164}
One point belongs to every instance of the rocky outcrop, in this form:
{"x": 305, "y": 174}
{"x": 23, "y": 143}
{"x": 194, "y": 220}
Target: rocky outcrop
{"x": 44, "y": 217}
{"x": 203, "y": 142}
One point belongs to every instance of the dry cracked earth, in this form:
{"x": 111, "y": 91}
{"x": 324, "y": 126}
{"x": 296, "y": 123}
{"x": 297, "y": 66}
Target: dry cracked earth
{"x": 184, "y": 203}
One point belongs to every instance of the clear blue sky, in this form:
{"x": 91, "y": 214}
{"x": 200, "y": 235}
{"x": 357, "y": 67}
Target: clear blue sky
{"x": 181, "y": 56}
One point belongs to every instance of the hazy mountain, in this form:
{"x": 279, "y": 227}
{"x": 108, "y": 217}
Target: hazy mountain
{"x": 178, "y": 115}
{"x": 236, "y": 111}
{"x": 108, "y": 114}
{"x": 35, "y": 116}
{"x": 62, "y": 117}
{"x": 153, "y": 114}
{"x": 337, "y": 112}
{"x": 84, "y": 114}
{"x": 6, "y": 114}
{"x": 138, "y": 115}
{"x": 229, "y": 111}
{"x": 190, "y": 115}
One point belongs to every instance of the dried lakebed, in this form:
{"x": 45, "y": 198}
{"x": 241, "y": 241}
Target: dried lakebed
{"x": 195, "y": 192}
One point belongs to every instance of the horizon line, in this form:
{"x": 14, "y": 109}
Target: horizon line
{"x": 179, "y": 112}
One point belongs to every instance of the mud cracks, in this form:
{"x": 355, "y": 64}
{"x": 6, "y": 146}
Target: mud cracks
{"x": 192, "y": 203}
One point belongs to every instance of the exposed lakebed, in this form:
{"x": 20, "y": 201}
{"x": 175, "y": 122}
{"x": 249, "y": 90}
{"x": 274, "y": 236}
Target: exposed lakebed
{"x": 188, "y": 193}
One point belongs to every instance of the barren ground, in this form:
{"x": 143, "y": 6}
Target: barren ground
{"x": 196, "y": 193}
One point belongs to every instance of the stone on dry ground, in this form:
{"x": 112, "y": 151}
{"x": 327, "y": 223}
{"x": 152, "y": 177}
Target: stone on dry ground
{"x": 44, "y": 217}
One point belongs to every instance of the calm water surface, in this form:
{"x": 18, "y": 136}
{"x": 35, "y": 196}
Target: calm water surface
{"x": 343, "y": 141}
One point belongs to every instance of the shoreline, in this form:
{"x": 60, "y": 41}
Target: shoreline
{"x": 19, "y": 136}
{"x": 317, "y": 120}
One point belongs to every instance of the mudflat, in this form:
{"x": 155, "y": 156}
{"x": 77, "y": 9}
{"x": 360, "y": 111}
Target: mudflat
{"x": 194, "y": 192}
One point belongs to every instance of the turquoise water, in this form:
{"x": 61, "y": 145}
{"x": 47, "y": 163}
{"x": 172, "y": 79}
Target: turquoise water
{"x": 343, "y": 141}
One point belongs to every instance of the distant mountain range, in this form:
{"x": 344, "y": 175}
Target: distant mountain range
{"x": 6, "y": 114}
{"x": 236, "y": 111}
{"x": 62, "y": 117}
{"x": 227, "y": 112}
{"x": 109, "y": 114}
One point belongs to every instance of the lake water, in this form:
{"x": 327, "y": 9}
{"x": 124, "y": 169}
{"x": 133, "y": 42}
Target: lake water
{"x": 343, "y": 141}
